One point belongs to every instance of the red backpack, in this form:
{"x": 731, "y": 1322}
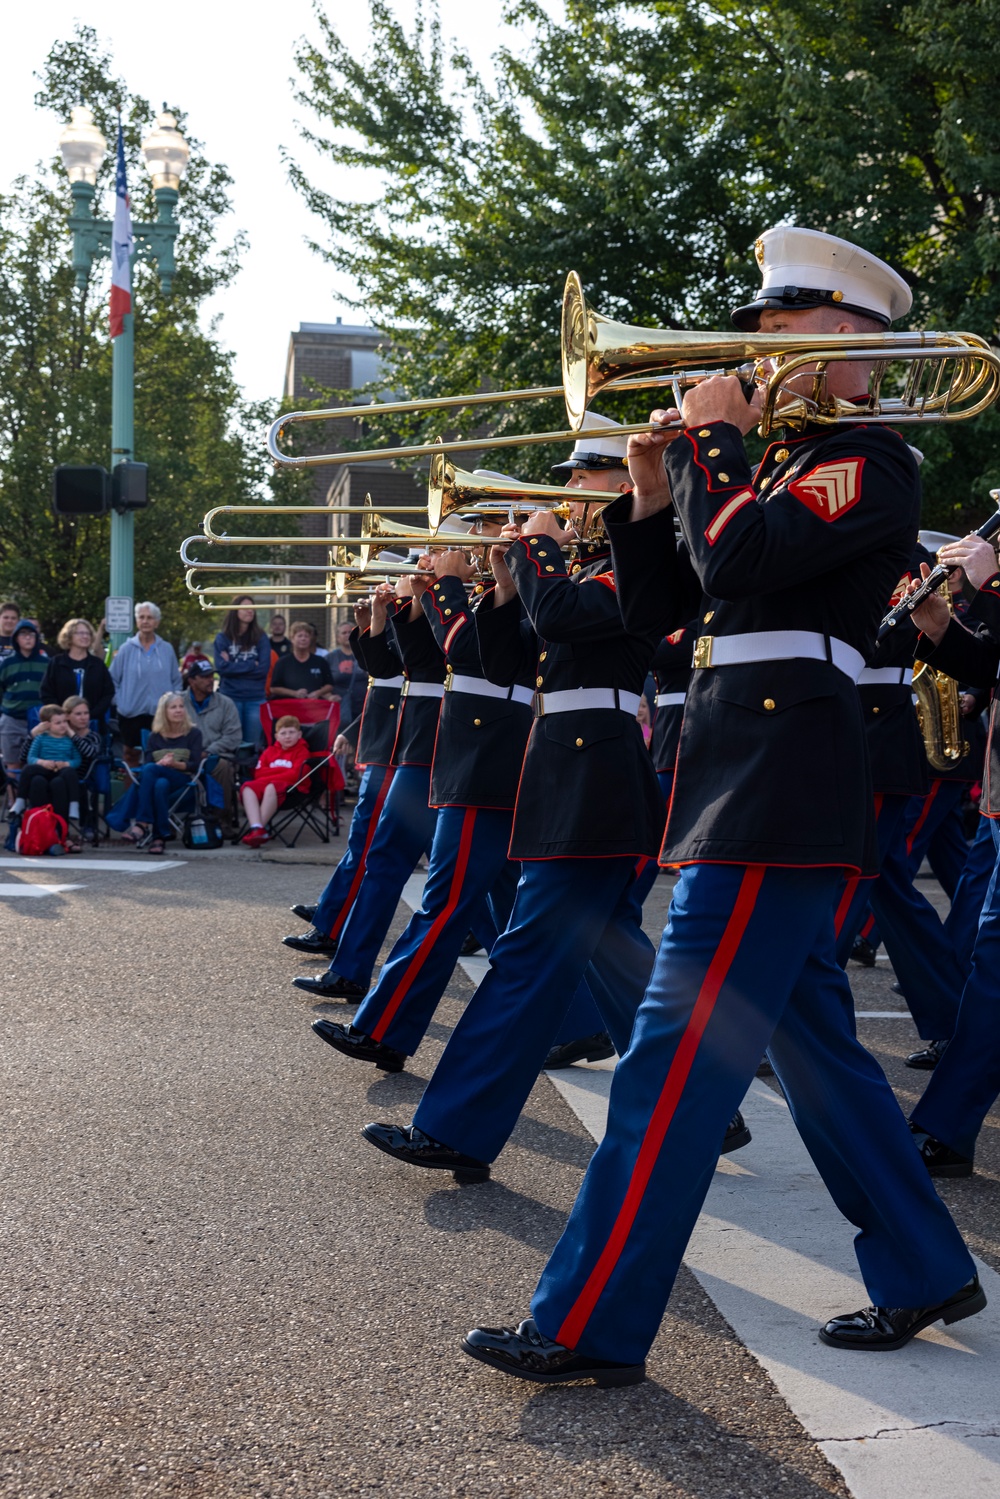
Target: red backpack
{"x": 41, "y": 827}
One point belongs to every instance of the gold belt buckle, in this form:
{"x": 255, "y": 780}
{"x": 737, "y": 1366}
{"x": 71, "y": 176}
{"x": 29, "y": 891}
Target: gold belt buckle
{"x": 539, "y": 704}
{"x": 703, "y": 650}
{"x": 404, "y": 691}
{"x": 448, "y": 673}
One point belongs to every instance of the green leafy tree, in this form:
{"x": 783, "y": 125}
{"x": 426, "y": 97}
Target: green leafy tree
{"x": 646, "y": 143}
{"x": 203, "y": 443}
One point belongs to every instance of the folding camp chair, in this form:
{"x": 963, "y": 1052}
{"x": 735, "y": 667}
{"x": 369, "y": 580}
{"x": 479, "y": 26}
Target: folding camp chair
{"x": 313, "y": 800}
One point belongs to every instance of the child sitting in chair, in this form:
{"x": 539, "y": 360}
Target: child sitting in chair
{"x": 279, "y": 767}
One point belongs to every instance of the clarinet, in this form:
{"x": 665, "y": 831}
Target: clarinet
{"x": 936, "y": 576}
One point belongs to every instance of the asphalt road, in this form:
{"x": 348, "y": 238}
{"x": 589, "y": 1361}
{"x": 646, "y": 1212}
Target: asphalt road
{"x": 213, "y": 1287}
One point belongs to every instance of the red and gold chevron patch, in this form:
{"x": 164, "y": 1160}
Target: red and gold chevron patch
{"x": 830, "y": 490}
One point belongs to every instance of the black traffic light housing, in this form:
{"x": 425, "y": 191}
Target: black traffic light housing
{"x": 88, "y": 489}
{"x": 80, "y": 489}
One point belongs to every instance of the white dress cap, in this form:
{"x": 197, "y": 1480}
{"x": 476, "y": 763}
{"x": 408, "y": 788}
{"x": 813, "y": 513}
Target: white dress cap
{"x": 597, "y": 452}
{"x": 804, "y": 268}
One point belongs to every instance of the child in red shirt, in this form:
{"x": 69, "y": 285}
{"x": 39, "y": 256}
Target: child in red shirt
{"x": 277, "y": 770}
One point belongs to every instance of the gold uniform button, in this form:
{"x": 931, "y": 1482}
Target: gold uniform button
{"x": 478, "y": 588}
{"x": 549, "y": 568}
{"x": 705, "y": 432}
{"x": 478, "y": 722}
{"x": 709, "y": 616}
{"x": 446, "y": 613}
{"x": 533, "y": 541}
{"x": 391, "y": 706}
{"x": 723, "y": 478}
{"x": 769, "y": 703}
{"x": 764, "y": 483}
{"x": 836, "y": 296}
{"x": 781, "y": 455}
{"x": 995, "y": 583}
{"x": 543, "y": 554}
{"x": 543, "y": 655}
{"x": 538, "y": 681}
{"x": 714, "y": 452}
{"x": 575, "y": 568}
{"x": 579, "y": 744}
{"x": 874, "y": 710}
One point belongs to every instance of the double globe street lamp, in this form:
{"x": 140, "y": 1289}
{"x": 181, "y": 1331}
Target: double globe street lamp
{"x": 83, "y": 148}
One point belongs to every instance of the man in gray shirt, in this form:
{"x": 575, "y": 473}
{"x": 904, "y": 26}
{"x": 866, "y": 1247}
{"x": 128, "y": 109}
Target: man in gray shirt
{"x": 218, "y": 718}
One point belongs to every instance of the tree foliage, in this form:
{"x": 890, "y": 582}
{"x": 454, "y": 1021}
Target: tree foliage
{"x": 203, "y": 444}
{"x": 646, "y": 143}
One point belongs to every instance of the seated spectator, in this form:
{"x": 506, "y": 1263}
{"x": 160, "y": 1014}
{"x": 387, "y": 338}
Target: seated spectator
{"x": 218, "y": 718}
{"x": 142, "y": 671}
{"x": 243, "y": 660}
{"x": 20, "y": 689}
{"x": 280, "y": 643}
{"x": 88, "y": 741}
{"x": 50, "y": 776}
{"x": 76, "y": 671}
{"x": 9, "y": 616}
{"x": 196, "y": 653}
{"x": 279, "y": 767}
{"x": 173, "y": 754}
{"x": 302, "y": 673}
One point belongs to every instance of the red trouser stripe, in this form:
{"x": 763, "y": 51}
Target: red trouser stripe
{"x": 928, "y": 803}
{"x": 576, "y": 1320}
{"x": 852, "y": 885}
{"x": 359, "y": 873}
{"x": 440, "y": 922}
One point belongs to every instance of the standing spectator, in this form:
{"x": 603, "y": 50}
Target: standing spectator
{"x": 20, "y": 689}
{"x": 280, "y": 643}
{"x": 173, "y": 753}
{"x": 143, "y": 670}
{"x": 243, "y": 660}
{"x": 9, "y": 616}
{"x": 345, "y": 672}
{"x": 303, "y": 673}
{"x": 218, "y": 718}
{"x": 76, "y": 671}
{"x": 196, "y": 653}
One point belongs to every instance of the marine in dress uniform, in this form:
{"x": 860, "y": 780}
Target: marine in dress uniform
{"x": 481, "y": 733}
{"x": 794, "y": 568}
{"x": 372, "y": 737}
{"x": 671, "y": 669}
{"x": 966, "y": 1080}
{"x": 588, "y": 806}
{"x": 400, "y": 641}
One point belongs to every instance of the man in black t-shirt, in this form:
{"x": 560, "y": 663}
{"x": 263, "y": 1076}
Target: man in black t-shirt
{"x": 280, "y": 643}
{"x": 302, "y": 673}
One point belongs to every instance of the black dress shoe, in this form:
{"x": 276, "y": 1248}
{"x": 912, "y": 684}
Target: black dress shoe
{"x": 927, "y": 1058}
{"x": 470, "y": 947}
{"x": 332, "y": 986}
{"x": 354, "y": 1043}
{"x": 528, "y": 1354}
{"x": 406, "y": 1143}
{"x": 304, "y": 913}
{"x": 587, "y": 1049}
{"x": 737, "y": 1134}
{"x": 764, "y": 1068}
{"x": 862, "y": 952}
{"x": 313, "y": 942}
{"x": 939, "y": 1158}
{"x": 879, "y": 1329}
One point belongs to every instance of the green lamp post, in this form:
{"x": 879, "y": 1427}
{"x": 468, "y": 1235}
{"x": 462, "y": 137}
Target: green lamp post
{"x": 83, "y": 147}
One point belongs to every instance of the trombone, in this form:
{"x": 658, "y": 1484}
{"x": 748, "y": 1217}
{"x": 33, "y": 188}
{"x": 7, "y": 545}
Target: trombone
{"x": 950, "y": 377}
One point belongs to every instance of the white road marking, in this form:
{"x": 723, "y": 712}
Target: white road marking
{"x": 68, "y": 862}
{"x": 11, "y": 892}
{"x": 776, "y": 1257}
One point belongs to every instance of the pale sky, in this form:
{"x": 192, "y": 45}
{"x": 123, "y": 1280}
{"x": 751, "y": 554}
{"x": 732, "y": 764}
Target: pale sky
{"x": 229, "y": 67}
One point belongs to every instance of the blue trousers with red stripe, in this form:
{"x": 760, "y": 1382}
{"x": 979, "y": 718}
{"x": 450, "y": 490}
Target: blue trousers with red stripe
{"x": 747, "y": 961}
{"x": 934, "y": 831}
{"x": 967, "y": 903}
{"x": 567, "y": 913}
{"x": 345, "y": 882}
{"x": 965, "y": 1083}
{"x": 405, "y": 830}
{"x": 468, "y": 856}
{"x": 647, "y": 875}
{"x": 919, "y": 949}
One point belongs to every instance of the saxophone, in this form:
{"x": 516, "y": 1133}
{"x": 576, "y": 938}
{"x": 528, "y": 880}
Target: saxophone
{"x": 938, "y": 711}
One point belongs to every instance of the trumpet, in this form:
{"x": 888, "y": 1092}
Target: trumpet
{"x": 936, "y": 576}
{"x": 949, "y": 377}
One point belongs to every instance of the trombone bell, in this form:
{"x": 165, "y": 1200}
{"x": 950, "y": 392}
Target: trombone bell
{"x": 450, "y": 489}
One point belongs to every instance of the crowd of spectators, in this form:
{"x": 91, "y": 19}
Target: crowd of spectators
{"x": 64, "y": 708}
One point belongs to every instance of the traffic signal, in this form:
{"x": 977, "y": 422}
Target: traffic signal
{"x": 80, "y": 489}
{"x": 129, "y": 486}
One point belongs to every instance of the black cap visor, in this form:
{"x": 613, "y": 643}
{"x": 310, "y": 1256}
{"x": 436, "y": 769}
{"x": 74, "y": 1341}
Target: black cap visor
{"x": 589, "y": 460}
{"x": 796, "y": 299}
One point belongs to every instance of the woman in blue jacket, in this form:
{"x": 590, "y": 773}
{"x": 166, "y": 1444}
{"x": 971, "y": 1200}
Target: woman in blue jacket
{"x": 243, "y": 659}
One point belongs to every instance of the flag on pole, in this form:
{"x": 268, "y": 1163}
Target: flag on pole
{"x": 121, "y": 246}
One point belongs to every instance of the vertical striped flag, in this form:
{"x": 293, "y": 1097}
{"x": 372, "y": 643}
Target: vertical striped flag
{"x": 121, "y": 246}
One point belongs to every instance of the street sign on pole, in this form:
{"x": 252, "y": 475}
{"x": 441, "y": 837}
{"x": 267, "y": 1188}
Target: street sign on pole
{"x": 118, "y": 619}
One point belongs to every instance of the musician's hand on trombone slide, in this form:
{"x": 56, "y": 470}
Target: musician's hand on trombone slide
{"x": 933, "y": 616}
{"x": 505, "y": 589}
{"x": 973, "y": 555}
